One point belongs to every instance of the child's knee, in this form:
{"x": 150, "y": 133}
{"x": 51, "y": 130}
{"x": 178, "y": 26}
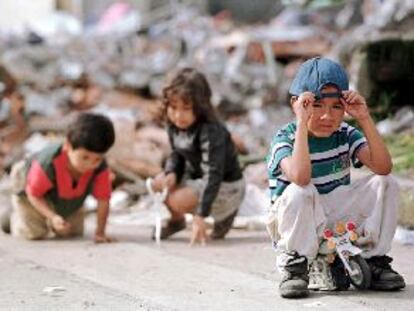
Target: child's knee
{"x": 34, "y": 237}
{"x": 307, "y": 190}
{"x": 300, "y": 195}
{"x": 183, "y": 200}
{"x": 28, "y": 233}
{"x": 296, "y": 203}
{"x": 387, "y": 182}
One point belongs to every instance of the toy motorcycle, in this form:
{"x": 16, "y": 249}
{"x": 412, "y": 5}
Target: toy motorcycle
{"x": 339, "y": 244}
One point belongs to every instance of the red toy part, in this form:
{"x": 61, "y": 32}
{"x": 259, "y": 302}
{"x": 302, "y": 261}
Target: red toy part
{"x": 350, "y": 226}
{"x": 328, "y": 233}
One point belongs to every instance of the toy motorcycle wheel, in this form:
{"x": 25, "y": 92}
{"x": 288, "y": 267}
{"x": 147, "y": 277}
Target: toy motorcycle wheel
{"x": 362, "y": 279}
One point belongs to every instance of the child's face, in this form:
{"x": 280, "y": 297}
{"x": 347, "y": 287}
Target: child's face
{"x": 83, "y": 160}
{"x": 180, "y": 113}
{"x": 326, "y": 114}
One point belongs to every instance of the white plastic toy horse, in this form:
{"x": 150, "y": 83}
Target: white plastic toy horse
{"x": 160, "y": 209}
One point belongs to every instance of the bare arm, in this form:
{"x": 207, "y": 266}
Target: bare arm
{"x": 375, "y": 156}
{"x": 101, "y": 218}
{"x": 297, "y": 168}
{"x": 41, "y": 205}
{"x": 61, "y": 226}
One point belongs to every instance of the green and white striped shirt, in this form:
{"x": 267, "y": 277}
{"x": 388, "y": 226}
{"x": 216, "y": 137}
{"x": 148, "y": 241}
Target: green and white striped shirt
{"x": 330, "y": 157}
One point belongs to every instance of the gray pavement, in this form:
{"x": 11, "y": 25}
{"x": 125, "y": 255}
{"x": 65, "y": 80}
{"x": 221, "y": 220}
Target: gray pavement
{"x": 135, "y": 274}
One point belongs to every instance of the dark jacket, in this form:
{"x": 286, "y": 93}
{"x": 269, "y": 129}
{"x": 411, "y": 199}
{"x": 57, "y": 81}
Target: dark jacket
{"x": 205, "y": 151}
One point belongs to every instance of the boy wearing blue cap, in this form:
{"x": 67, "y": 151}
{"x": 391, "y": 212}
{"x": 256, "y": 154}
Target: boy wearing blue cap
{"x": 309, "y": 179}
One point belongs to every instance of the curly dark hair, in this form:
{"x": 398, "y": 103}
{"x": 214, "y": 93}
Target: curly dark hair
{"x": 192, "y": 87}
{"x": 93, "y": 132}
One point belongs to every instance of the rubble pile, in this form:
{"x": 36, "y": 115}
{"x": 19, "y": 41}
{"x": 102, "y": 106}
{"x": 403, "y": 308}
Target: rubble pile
{"x": 119, "y": 70}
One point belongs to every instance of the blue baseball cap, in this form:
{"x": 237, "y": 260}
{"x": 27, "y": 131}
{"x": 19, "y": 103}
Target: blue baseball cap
{"x": 317, "y": 72}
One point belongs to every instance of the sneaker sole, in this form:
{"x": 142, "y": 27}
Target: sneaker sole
{"x": 386, "y": 286}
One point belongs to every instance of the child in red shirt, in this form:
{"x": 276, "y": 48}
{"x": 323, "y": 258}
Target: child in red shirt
{"x": 55, "y": 182}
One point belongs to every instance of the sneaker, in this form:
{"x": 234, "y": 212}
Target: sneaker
{"x": 221, "y": 228}
{"x": 295, "y": 278}
{"x": 383, "y": 276}
{"x": 5, "y": 221}
{"x": 171, "y": 228}
{"x": 340, "y": 277}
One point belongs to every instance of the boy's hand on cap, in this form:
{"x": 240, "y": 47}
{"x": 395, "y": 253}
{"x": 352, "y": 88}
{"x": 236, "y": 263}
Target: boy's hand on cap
{"x": 302, "y": 106}
{"x": 355, "y": 105}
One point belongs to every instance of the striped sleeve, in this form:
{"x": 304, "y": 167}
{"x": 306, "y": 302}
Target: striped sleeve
{"x": 356, "y": 141}
{"x": 281, "y": 147}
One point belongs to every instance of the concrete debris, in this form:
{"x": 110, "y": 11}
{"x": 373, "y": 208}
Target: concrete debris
{"x": 36, "y": 142}
{"x": 118, "y": 63}
{"x": 256, "y": 174}
{"x": 255, "y": 203}
{"x": 389, "y": 15}
{"x": 402, "y": 120}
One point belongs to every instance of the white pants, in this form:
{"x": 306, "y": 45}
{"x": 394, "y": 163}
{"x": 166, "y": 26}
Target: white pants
{"x": 299, "y": 216}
